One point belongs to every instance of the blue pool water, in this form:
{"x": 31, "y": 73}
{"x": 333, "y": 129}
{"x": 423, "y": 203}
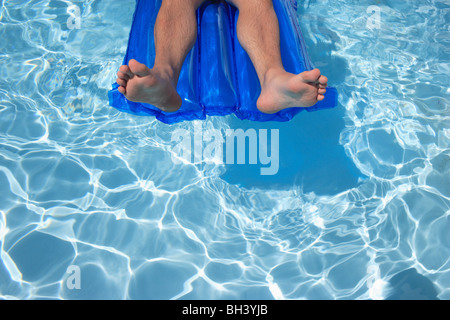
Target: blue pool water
{"x": 359, "y": 208}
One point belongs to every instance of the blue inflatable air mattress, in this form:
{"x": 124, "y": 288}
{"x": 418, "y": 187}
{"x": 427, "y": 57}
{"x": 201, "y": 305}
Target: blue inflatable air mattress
{"x": 217, "y": 77}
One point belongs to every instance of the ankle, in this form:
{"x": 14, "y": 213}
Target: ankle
{"x": 271, "y": 72}
{"x": 166, "y": 72}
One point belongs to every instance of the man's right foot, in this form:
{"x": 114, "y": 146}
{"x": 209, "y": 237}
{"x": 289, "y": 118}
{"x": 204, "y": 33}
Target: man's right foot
{"x": 141, "y": 84}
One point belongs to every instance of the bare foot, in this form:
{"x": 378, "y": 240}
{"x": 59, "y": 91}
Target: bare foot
{"x": 141, "y": 84}
{"x": 282, "y": 90}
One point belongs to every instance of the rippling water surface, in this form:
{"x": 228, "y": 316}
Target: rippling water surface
{"x": 358, "y": 210}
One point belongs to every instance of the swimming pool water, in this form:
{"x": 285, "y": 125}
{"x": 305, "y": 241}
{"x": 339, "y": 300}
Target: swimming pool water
{"x": 359, "y": 208}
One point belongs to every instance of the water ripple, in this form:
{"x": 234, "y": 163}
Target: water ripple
{"x": 84, "y": 185}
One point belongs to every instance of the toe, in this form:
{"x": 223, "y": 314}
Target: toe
{"x": 322, "y": 90}
{"x": 126, "y": 70}
{"x": 121, "y": 82}
{"x": 311, "y": 76}
{"x": 122, "y": 90}
{"x": 123, "y": 76}
{"x": 323, "y": 80}
{"x": 320, "y": 97}
{"x": 138, "y": 68}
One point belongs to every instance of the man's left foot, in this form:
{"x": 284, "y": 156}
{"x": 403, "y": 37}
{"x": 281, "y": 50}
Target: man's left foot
{"x": 281, "y": 90}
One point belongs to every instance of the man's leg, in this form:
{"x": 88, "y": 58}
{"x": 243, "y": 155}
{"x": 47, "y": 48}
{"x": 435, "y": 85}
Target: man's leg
{"x": 259, "y": 34}
{"x": 175, "y": 35}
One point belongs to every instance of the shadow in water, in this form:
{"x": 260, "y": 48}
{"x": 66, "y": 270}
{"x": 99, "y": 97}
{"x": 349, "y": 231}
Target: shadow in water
{"x": 310, "y": 156}
{"x": 410, "y": 285}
